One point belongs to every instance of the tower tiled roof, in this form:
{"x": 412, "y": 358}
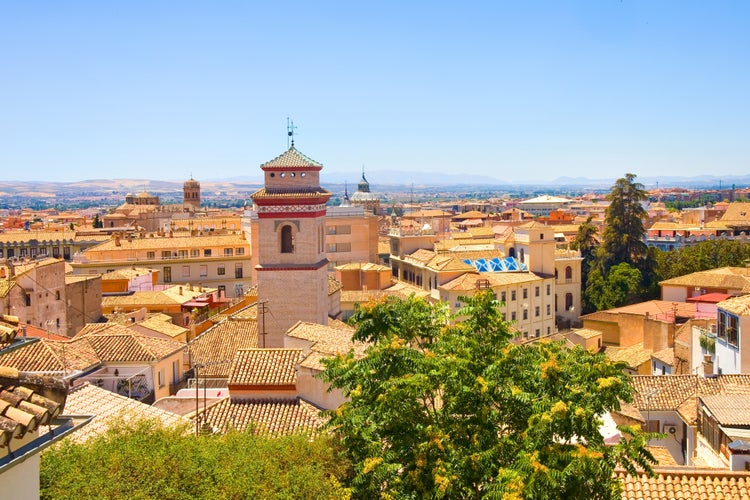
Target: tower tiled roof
{"x": 291, "y": 158}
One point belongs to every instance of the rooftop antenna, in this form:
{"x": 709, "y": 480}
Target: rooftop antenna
{"x": 290, "y": 132}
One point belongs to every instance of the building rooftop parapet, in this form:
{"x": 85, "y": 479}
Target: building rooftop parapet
{"x": 398, "y": 231}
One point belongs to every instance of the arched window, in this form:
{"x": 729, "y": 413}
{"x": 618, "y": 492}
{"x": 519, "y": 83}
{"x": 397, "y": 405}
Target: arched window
{"x": 523, "y": 256}
{"x": 287, "y": 242}
{"x": 568, "y": 301}
{"x": 512, "y": 252}
{"x": 568, "y": 273}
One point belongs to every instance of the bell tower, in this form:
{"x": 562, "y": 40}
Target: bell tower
{"x": 292, "y": 268}
{"x": 191, "y": 195}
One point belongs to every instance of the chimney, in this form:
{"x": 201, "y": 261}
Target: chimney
{"x": 180, "y": 290}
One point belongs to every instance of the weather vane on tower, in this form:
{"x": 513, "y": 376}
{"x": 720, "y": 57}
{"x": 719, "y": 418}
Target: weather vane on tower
{"x": 290, "y": 131}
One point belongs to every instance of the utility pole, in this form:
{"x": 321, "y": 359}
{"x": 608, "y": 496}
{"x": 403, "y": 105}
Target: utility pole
{"x": 262, "y": 310}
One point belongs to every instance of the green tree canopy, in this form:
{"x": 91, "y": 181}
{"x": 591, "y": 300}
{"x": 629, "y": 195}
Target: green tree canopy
{"x": 455, "y": 410}
{"x": 586, "y": 243}
{"x": 701, "y": 257}
{"x": 624, "y": 229}
{"x": 620, "y": 287}
{"x": 142, "y": 459}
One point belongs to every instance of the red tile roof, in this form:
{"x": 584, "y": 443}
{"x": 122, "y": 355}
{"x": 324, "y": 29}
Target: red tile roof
{"x": 688, "y": 484}
{"x": 267, "y": 367}
{"x": 264, "y": 415}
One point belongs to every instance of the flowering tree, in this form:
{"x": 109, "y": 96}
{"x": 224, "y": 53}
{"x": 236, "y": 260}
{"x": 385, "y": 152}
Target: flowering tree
{"x": 455, "y": 410}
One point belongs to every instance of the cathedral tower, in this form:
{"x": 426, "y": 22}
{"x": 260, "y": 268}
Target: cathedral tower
{"x": 191, "y": 195}
{"x": 292, "y": 268}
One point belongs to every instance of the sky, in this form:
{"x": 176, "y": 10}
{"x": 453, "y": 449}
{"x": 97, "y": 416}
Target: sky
{"x": 515, "y": 90}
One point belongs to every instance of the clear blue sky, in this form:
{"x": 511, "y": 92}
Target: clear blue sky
{"x": 520, "y": 90}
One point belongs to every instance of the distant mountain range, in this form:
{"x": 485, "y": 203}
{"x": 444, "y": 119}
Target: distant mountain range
{"x": 380, "y": 181}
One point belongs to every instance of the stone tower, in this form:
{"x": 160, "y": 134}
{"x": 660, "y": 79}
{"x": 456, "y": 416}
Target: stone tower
{"x": 191, "y": 195}
{"x": 292, "y": 268}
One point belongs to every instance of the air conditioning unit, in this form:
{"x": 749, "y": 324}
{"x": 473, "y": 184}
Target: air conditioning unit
{"x": 669, "y": 429}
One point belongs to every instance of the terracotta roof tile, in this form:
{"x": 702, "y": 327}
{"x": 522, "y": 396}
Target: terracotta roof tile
{"x": 729, "y": 409}
{"x": 216, "y": 347}
{"x": 265, "y": 415}
{"x": 88, "y": 399}
{"x": 268, "y": 367}
{"x": 729, "y": 278}
{"x": 176, "y": 242}
{"x": 333, "y": 285}
{"x": 736, "y": 305}
{"x": 679, "y": 392}
{"x": 689, "y": 484}
{"x": 163, "y": 325}
{"x": 326, "y": 341}
{"x": 45, "y": 355}
{"x": 27, "y": 401}
{"x": 131, "y": 346}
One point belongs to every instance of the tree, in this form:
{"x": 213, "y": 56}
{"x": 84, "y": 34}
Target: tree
{"x": 624, "y": 229}
{"x": 455, "y": 410}
{"x": 142, "y": 459}
{"x": 623, "y": 242}
{"x": 621, "y": 286}
{"x": 586, "y": 243}
{"x": 97, "y": 222}
{"x": 709, "y": 254}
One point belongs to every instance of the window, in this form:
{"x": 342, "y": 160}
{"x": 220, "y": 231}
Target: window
{"x": 568, "y": 273}
{"x": 207, "y": 252}
{"x": 57, "y": 295}
{"x": 166, "y": 254}
{"x": 150, "y": 255}
{"x": 195, "y": 252}
{"x": 28, "y": 299}
{"x": 513, "y": 316}
{"x": 220, "y": 270}
{"x": 287, "y": 240}
{"x": 536, "y": 291}
{"x": 536, "y": 332}
{"x": 502, "y": 296}
{"x": 222, "y": 290}
{"x": 548, "y": 288}
{"x": 537, "y": 311}
{"x": 228, "y": 252}
{"x": 525, "y": 314}
{"x": 185, "y": 271}
{"x": 238, "y": 270}
{"x": 2, "y": 253}
{"x": 512, "y": 295}
{"x": 204, "y": 270}
{"x": 239, "y": 251}
{"x": 182, "y": 254}
{"x": 525, "y": 293}
{"x": 167, "y": 274}
{"x": 332, "y": 248}
{"x": 549, "y": 311}
{"x": 568, "y": 301}
{"x": 160, "y": 376}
